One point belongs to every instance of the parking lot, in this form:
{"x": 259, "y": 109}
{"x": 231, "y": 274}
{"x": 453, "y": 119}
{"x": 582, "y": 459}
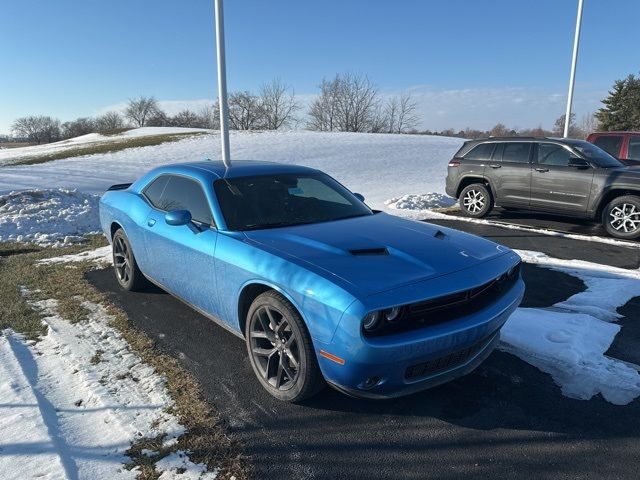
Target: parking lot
{"x": 506, "y": 419}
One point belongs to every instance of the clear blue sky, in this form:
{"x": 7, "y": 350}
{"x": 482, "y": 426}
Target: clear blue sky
{"x": 468, "y": 62}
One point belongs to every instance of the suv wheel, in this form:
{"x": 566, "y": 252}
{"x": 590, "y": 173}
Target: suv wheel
{"x": 280, "y": 349}
{"x": 621, "y": 218}
{"x": 476, "y": 201}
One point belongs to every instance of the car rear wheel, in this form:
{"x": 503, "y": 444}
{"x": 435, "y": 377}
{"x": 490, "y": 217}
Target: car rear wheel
{"x": 621, "y": 218}
{"x": 125, "y": 266}
{"x": 280, "y": 349}
{"x": 476, "y": 201}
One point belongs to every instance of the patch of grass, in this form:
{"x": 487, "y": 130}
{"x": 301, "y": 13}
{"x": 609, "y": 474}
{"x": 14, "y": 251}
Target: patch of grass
{"x": 206, "y": 438}
{"x": 97, "y": 357}
{"x": 115, "y": 131}
{"x": 105, "y": 147}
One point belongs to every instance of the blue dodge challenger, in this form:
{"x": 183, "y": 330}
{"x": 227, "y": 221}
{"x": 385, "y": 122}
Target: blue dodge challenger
{"x": 320, "y": 287}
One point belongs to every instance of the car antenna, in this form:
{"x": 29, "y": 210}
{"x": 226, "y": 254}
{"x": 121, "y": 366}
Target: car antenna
{"x": 222, "y": 84}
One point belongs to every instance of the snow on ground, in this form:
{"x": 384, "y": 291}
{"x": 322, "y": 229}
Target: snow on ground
{"x": 48, "y": 216}
{"x": 67, "y": 413}
{"x": 100, "y": 256}
{"x": 569, "y": 339}
{"x": 8, "y": 156}
{"x": 424, "y": 201}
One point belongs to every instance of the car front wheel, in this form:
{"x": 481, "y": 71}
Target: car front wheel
{"x": 280, "y": 349}
{"x": 621, "y": 218}
{"x": 476, "y": 201}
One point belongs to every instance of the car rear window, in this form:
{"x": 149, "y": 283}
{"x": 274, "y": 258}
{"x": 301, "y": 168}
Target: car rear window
{"x": 480, "y": 152}
{"x": 634, "y": 148}
{"x": 517, "y": 152}
{"x": 154, "y": 190}
{"x": 610, "y": 144}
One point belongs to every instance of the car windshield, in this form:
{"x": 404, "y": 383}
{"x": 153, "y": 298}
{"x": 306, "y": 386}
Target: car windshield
{"x": 269, "y": 201}
{"x": 595, "y": 154}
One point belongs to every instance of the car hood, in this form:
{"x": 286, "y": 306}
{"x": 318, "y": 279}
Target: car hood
{"x": 379, "y": 252}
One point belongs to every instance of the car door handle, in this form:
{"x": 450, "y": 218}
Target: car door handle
{"x": 542, "y": 170}
{"x": 495, "y": 165}
{"x": 151, "y": 222}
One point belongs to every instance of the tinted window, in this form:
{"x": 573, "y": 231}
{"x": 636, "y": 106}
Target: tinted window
{"x": 497, "y": 153}
{"x": 552, "y": 154}
{"x": 269, "y": 201}
{"x": 480, "y": 152}
{"x": 594, "y": 153}
{"x": 610, "y": 144}
{"x": 184, "y": 194}
{"x": 154, "y": 190}
{"x": 634, "y": 148}
{"x": 516, "y": 152}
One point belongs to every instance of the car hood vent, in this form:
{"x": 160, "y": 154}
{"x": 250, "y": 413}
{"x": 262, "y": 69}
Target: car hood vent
{"x": 369, "y": 251}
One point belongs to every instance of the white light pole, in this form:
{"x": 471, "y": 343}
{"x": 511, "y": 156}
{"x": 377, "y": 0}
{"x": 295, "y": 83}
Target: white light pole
{"x": 222, "y": 84}
{"x": 572, "y": 77}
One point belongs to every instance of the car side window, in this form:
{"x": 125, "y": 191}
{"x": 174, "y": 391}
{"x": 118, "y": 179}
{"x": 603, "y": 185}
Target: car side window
{"x": 155, "y": 189}
{"x": 182, "y": 193}
{"x": 553, "y": 154}
{"x": 610, "y": 144}
{"x": 634, "y": 148}
{"x": 497, "y": 153}
{"x": 480, "y": 152}
{"x": 516, "y": 152}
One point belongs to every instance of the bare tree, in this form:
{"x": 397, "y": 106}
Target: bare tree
{"x": 245, "y": 111}
{"x": 402, "y": 113}
{"x": 324, "y": 109}
{"x": 499, "y": 130}
{"x": 589, "y": 123}
{"x": 139, "y": 110}
{"x": 357, "y": 102}
{"x": 37, "y": 128}
{"x": 78, "y": 127}
{"x": 109, "y": 121}
{"x": 158, "y": 118}
{"x": 210, "y": 116}
{"x": 186, "y": 118}
{"x": 278, "y": 104}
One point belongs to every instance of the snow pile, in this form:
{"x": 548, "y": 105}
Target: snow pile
{"x": 56, "y": 216}
{"x": 569, "y": 340}
{"x": 100, "y": 256}
{"x": 423, "y": 201}
{"x": 80, "y": 397}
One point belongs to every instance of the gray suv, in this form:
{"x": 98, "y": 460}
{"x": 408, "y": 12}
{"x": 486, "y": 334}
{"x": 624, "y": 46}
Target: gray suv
{"x": 562, "y": 176}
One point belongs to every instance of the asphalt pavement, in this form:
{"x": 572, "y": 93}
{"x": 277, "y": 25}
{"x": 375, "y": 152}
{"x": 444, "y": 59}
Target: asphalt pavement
{"x": 507, "y": 419}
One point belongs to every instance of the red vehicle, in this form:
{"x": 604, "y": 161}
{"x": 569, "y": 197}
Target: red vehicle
{"x": 625, "y": 146}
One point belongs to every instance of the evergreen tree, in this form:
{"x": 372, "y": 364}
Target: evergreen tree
{"x": 621, "y": 109}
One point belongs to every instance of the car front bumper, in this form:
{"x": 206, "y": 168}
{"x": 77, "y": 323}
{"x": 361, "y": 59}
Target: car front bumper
{"x": 387, "y": 367}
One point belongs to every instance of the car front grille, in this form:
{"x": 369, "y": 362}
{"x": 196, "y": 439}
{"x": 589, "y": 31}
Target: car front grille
{"x": 447, "y": 362}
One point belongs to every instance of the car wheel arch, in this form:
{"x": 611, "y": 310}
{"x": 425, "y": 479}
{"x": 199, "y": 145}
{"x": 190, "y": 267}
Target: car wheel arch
{"x": 470, "y": 180}
{"x": 115, "y": 226}
{"x": 250, "y": 291}
{"x": 609, "y": 195}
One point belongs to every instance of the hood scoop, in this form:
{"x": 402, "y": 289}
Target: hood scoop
{"x": 368, "y": 252}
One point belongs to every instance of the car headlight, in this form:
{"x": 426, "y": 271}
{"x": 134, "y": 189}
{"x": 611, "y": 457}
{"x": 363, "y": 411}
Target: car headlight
{"x": 372, "y": 321}
{"x": 392, "y": 314}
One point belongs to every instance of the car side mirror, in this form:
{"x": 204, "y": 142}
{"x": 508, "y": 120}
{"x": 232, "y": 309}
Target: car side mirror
{"x": 359, "y": 196}
{"x": 177, "y": 217}
{"x": 579, "y": 163}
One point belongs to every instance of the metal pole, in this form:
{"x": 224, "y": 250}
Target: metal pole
{"x": 572, "y": 77}
{"x": 222, "y": 84}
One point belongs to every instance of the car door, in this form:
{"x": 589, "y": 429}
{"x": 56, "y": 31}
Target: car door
{"x": 181, "y": 258}
{"x": 509, "y": 173}
{"x": 556, "y": 186}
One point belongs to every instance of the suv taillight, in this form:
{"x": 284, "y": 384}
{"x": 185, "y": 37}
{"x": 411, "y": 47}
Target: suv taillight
{"x": 454, "y": 163}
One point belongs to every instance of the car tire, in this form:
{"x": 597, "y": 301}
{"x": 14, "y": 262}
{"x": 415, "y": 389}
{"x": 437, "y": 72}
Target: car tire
{"x": 125, "y": 266}
{"x": 621, "y": 217}
{"x": 476, "y": 201}
{"x": 277, "y": 340}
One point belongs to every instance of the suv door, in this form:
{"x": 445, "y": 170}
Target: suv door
{"x": 181, "y": 258}
{"x": 555, "y": 186}
{"x": 509, "y": 173}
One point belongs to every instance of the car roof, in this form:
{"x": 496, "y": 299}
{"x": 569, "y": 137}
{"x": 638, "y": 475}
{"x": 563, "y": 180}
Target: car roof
{"x": 238, "y": 168}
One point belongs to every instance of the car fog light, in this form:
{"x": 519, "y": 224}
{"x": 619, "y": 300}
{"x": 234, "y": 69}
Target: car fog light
{"x": 370, "y": 383}
{"x": 392, "y": 314}
{"x": 371, "y": 321}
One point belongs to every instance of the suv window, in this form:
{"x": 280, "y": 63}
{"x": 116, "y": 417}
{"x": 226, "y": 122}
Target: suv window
{"x": 517, "y": 152}
{"x": 634, "y": 148}
{"x": 610, "y": 144}
{"x": 497, "y": 153}
{"x": 154, "y": 190}
{"x": 480, "y": 152}
{"x": 553, "y": 154}
{"x": 181, "y": 193}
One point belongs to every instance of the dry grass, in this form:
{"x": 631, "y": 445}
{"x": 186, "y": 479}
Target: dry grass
{"x": 105, "y": 147}
{"x": 206, "y": 438}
